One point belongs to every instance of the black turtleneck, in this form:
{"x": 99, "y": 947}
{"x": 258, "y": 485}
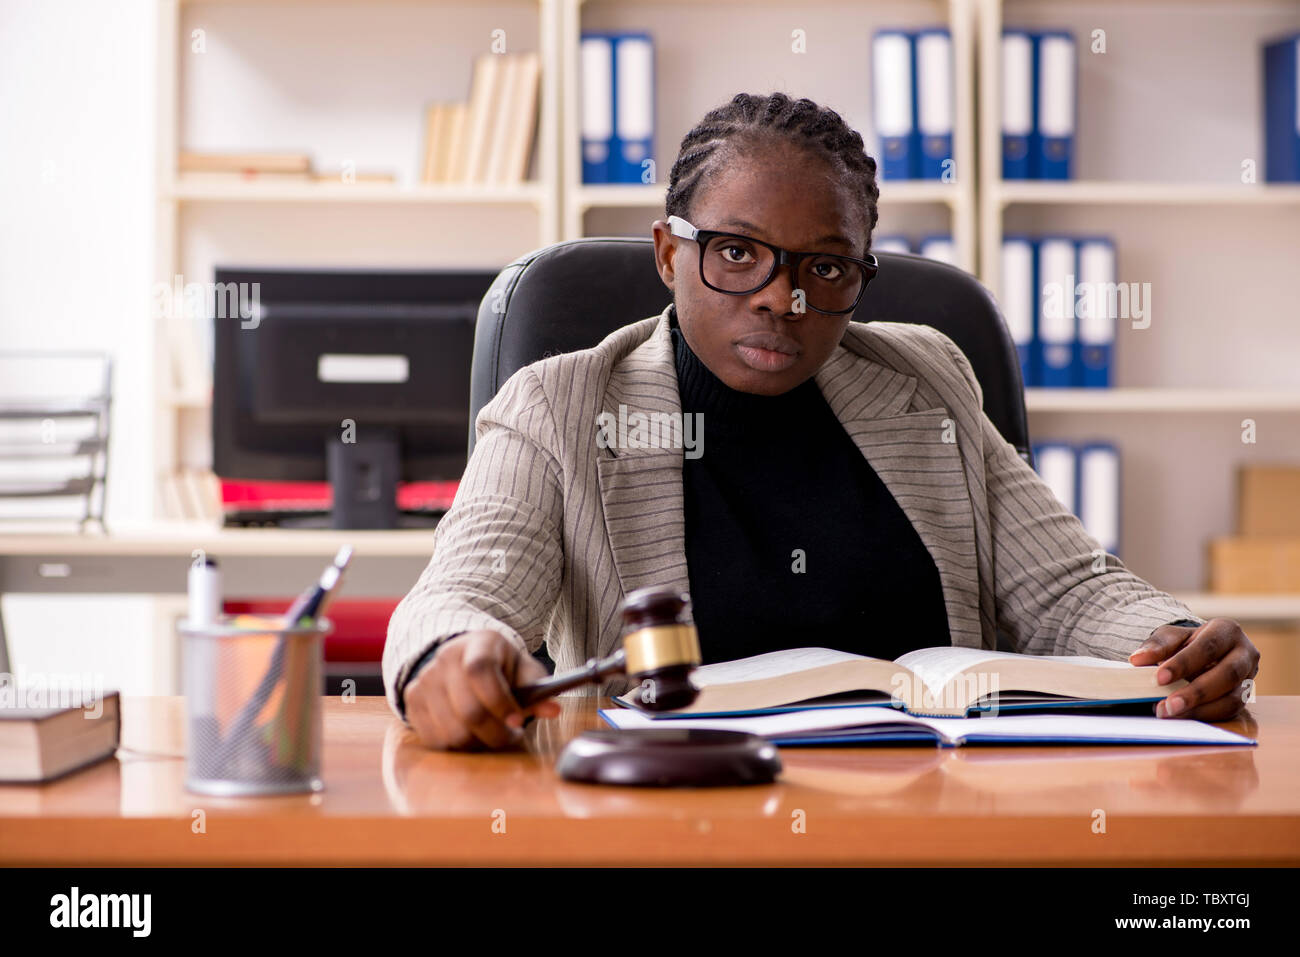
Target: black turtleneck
{"x": 781, "y": 487}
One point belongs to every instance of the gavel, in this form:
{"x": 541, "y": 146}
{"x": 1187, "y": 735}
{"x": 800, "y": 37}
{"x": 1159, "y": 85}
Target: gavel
{"x": 660, "y": 650}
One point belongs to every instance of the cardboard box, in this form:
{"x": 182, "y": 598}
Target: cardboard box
{"x": 1268, "y": 501}
{"x": 1255, "y": 565}
{"x": 1279, "y": 658}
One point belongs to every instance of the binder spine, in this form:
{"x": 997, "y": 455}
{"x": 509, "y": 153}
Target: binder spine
{"x": 597, "y": 56}
{"x": 1057, "y": 336}
{"x": 1098, "y": 483}
{"x": 1018, "y": 302}
{"x": 1055, "y": 120}
{"x": 934, "y": 101}
{"x": 1097, "y": 313}
{"x": 1018, "y": 105}
{"x": 633, "y": 96}
{"x": 893, "y": 78}
{"x": 1282, "y": 110}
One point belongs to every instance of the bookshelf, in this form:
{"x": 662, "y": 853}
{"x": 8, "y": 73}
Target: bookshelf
{"x": 278, "y": 66}
{"x": 694, "y": 73}
{"x": 1175, "y": 99}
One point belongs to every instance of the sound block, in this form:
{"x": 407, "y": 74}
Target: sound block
{"x": 668, "y": 757}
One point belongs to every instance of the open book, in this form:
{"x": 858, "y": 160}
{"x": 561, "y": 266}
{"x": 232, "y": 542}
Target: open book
{"x": 941, "y": 682}
{"x": 871, "y": 725}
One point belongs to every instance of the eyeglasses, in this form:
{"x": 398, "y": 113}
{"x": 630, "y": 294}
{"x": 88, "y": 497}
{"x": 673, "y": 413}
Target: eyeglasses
{"x": 831, "y": 284}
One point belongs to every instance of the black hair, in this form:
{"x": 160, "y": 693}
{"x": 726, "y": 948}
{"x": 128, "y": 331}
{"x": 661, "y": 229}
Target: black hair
{"x": 753, "y": 120}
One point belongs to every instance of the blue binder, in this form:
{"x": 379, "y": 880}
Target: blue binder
{"x": 1057, "y": 465}
{"x": 1282, "y": 111}
{"x": 634, "y": 108}
{"x": 1098, "y": 485}
{"x": 1018, "y": 104}
{"x": 1020, "y": 302}
{"x": 596, "y": 52}
{"x": 1056, "y": 105}
{"x": 893, "y": 77}
{"x": 1057, "y": 325}
{"x": 1097, "y": 313}
{"x": 892, "y": 243}
{"x": 934, "y": 100}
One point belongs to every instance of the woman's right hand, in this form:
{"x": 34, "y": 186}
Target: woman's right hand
{"x": 462, "y": 700}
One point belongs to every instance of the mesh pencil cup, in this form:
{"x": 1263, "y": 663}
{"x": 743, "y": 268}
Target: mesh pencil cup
{"x": 253, "y": 705}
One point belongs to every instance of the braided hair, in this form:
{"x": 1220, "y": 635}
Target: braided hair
{"x": 750, "y": 120}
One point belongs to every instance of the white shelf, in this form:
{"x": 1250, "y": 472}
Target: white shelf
{"x": 532, "y": 194}
{"x": 1065, "y": 192}
{"x": 653, "y": 195}
{"x": 1209, "y": 604}
{"x": 1162, "y": 400}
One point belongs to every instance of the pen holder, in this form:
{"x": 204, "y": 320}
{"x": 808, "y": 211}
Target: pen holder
{"x": 253, "y": 705}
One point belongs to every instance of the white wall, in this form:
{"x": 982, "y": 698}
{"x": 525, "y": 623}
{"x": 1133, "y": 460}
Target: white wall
{"x": 76, "y": 253}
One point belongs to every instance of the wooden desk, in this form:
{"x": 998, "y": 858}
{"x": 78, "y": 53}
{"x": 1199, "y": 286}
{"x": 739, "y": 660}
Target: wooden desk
{"x": 389, "y": 801}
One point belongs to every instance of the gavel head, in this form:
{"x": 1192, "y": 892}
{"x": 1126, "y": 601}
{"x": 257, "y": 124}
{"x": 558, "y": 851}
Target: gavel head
{"x": 662, "y": 648}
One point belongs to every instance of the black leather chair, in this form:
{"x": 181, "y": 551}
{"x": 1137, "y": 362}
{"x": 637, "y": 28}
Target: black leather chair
{"x": 570, "y": 295}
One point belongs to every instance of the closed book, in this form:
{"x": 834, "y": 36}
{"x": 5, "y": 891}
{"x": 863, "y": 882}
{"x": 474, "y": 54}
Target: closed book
{"x": 893, "y": 86}
{"x": 523, "y": 112}
{"x": 434, "y": 132}
{"x": 471, "y": 165}
{"x": 194, "y": 161}
{"x": 503, "y": 117}
{"x": 43, "y": 736}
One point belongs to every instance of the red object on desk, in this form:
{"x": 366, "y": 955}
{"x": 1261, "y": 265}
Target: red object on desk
{"x": 308, "y": 496}
{"x": 360, "y": 624}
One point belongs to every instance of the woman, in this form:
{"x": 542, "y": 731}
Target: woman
{"x": 846, "y": 490}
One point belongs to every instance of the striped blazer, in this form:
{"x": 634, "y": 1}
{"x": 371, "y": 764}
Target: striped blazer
{"x": 550, "y": 528}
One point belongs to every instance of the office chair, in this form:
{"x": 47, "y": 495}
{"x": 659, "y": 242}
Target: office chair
{"x": 570, "y": 295}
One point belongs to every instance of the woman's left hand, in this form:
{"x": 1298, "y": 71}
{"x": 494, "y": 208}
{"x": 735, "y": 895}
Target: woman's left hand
{"x": 1216, "y": 659}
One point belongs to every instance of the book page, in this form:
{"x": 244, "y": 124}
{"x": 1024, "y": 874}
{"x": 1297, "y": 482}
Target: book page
{"x": 1085, "y": 728}
{"x": 771, "y": 665}
{"x": 823, "y": 719}
{"x": 937, "y": 666}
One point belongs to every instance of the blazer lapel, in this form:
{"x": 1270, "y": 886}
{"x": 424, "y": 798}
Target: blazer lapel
{"x": 641, "y": 487}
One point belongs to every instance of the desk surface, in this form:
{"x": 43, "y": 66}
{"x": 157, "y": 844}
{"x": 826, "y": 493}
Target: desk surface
{"x": 173, "y": 539}
{"x": 388, "y": 800}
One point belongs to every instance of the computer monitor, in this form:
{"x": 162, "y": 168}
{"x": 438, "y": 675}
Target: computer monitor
{"x": 357, "y": 377}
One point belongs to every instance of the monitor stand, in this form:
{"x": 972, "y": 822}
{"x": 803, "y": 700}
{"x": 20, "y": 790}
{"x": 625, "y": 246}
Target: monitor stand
{"x": 363, "y": 474}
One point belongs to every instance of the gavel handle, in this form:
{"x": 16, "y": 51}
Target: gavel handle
{"x": 593, "y": 671}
